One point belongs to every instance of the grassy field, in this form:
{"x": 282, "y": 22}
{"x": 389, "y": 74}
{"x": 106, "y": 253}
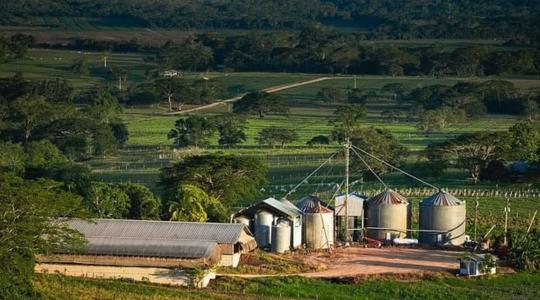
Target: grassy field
{"x": 515, "y": 286}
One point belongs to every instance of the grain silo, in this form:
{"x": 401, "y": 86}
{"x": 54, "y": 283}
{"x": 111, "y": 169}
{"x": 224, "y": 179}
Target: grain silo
{"x": 318, "y": 225}
{"x": 443, "y": 218}
{"x": 387, "y": 216}
{"x": 281, "y": 237}
{"x": 263, "y": 228}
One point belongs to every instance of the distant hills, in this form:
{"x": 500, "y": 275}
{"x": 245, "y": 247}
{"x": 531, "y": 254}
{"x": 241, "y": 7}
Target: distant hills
{"x": 377, "y": 19}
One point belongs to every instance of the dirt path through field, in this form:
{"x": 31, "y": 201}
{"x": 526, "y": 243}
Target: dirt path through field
{"x": 272, "y": 89}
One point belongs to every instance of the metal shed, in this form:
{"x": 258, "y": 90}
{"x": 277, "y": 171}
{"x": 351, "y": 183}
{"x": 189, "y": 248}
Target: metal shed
{"x": 280, "y": 210}
{"x": 355, "y": 211}
{"x": 165, "y": 239}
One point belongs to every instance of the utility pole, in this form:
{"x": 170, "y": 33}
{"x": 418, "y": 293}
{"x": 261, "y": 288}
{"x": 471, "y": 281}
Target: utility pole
{"x": 355, "y": 81}
{"x": 346, "y": 202}
{"x": 475, "y": 217}
{"x": 506, "y": 211}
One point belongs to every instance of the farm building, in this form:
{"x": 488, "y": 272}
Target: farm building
{"x": 264, "y": 215}
{"x": 115, "y": 246}
{"x": 355, "y": 212}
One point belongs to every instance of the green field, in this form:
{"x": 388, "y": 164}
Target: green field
{"x": 515, "y": 286}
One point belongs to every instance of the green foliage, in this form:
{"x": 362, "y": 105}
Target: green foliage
{"x": 435, "y": 120}
{"x": 195, "y": 130}
{"x": 275, "y": 135}
{"x": 27, "y": 208}
{"x": 143, "y": 204}
{"x": 346, "y": 121}
{"x": 107, "y": 201}
{"x": 231, "y": 130}
{"x": 192, "y": 204}
{"x": 379, "y": 142}
{"x": 105, "y": 107}
{"x": 332, "y": 95}
{"x": 318, "y": 140}
{"x": 175, "y": 90}
{"x": 261, "y": 103}
{"x": 12, "y": 157}
{"x": 525, "y": 250}
{"x": 80, "y": 67}
{"x": 525, "y": 142}
{"x": 228, "y": 178}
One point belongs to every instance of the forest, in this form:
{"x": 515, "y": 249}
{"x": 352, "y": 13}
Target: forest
{"x": 377, "y": 19}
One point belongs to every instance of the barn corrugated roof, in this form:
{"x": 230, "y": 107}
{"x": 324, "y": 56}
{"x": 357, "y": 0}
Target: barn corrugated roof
{"x": 388, "y": 197}
{"x": 283, "y": 207}
{"x": 222, "y": 233}
{"x": 150, "y": 247}
{"x": 441, "y": 198}
{"x": 312, "y": 204}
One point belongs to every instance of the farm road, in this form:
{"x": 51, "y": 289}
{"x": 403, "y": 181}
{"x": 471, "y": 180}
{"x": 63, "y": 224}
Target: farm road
{"x": 272, "y": 89}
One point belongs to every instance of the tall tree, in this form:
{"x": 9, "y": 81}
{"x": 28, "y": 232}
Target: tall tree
{"x": 144, "y": 205}
{"x": 195, "y": 130}
{"x": 27, "y": 208}
{"x": 346, "y": 121}
{"x": 261, "y": 103}
{"x": 231, "y": 130}
{"x": 105, "y": 200}
{"x": 192, "y": 204}
{"x": 275, "y": 135}
{"x": 173, "y": 89}
{"x": 228, "y": 178}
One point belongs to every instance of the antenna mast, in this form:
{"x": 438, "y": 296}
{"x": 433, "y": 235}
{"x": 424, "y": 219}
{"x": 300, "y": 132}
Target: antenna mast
{"x": 347, "y": 150}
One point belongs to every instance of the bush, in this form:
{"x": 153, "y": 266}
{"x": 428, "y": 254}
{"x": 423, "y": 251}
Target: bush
{"x": 525, "y": 250}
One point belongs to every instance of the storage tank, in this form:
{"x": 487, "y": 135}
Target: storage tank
{"x": 387, "y": 211}
{"x": 446, "y": 216}
{"x": 263, "y": 228}
{"x": 318, "y": 227}
{"x": 281, "y": 237}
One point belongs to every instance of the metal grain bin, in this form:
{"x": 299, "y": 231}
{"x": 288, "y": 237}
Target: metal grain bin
{"x": 318, "y": 230}
{"x": 443, "y": 216}
{"x": 387, "y": 216}
{"x": 281, "y": 237}
{"x": 263, "y": 228}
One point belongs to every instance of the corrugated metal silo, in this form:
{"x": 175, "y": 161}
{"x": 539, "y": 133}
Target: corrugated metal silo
{"x": 263, "y": 228}
{"x": 446, "y": 216}
{"x": 387, "y": 211}
{"x": 281, "y": 237}
{"x": 318, "y": 230}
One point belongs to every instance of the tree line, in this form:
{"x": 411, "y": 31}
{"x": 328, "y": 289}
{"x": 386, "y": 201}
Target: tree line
{"x": 378, "y": 19}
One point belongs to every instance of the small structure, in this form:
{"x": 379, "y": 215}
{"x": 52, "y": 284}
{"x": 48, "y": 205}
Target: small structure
{"x": 387, "y": 216}
{"x": 477, "y": 265}
{"x": 267, "y": 213}
{"x": 170, "y": 73}
{"x": 318, "y": 223}
{"x": 355, "y": 211}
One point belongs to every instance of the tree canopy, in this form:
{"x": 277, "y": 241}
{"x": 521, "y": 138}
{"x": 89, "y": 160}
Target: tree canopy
{"x": 261, "y": 103}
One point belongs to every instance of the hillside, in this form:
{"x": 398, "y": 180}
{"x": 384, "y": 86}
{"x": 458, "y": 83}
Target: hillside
{"x": 372, "y": 18}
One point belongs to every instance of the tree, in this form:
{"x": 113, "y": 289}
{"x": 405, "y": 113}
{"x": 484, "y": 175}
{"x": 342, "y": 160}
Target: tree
{"x": 331, "y": 95}
{"x": 144, "y": 205}
{"x": 207, "y": 90}
{"x": 227, "y": 178}
{"x": 231, "y": 130}
{"x": 80, "y": 66}
{"x": 12, "y": 158}
{"x": 274, "y": 135}
{"x": 531, "y": 111}
{"x": 261, "y": 103}
{"x": 105, "y": 200}
{"x": 474, "y": 151}
{"x": 174, "y": 89}
{"x": 105, "y": 107}
{"x": 120, "y": 132}
{"x": 192, "y": 204}
{"x": 195, "y": 130}
{"x": 434, "y": 120}
{"x": 27, "y": 208}
{"x": 525, "y": 143}
{"x": 346, "y": 121}
{"x": 318, "y": 140}
{"x": 392, "y": 115}
{"x": 378, "y": 142}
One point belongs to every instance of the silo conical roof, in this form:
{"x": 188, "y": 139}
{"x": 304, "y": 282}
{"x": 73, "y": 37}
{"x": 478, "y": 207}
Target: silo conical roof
{"x": 312, "y": 204}
{"x": 388, "y": 197}
{"x": 441, "y": 198}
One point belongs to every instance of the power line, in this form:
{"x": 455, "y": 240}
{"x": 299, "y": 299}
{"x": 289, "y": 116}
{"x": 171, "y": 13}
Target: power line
{"x": 396, "y": 168}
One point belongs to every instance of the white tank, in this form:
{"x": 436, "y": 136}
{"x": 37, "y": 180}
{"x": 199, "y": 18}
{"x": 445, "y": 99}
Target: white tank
{"x": 263, "y": 228}
{"x": 442, "y": 219}
{"x": 387, "y": 212}
{"x": 281, "y": 237}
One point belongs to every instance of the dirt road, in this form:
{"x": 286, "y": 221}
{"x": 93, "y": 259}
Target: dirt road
{"x": 357, "y": 261}
{"x": 272, "y": 89}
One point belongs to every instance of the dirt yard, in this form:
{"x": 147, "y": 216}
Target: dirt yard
{"x": 356, "y": 261}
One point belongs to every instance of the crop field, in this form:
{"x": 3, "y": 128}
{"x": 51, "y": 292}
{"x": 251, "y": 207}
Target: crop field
{"x": 510, "y": 286}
